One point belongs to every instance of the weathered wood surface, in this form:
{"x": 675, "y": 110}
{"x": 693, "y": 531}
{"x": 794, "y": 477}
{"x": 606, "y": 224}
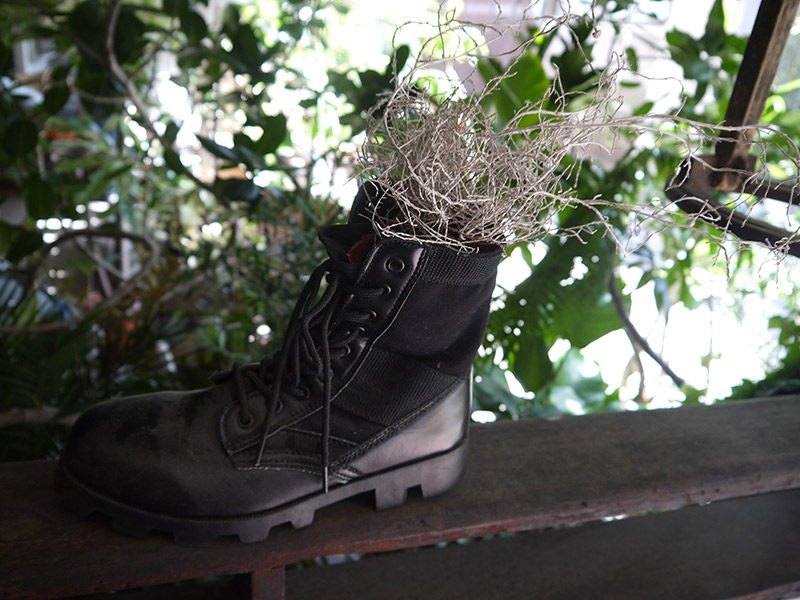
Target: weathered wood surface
{"x": 746, "y": 548}
{"x": 520, "y": 476}
{"x": 753, "y": 85}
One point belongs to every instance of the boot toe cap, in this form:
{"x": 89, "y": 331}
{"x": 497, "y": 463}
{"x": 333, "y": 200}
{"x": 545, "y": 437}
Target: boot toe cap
{"x": 116, "y": 450}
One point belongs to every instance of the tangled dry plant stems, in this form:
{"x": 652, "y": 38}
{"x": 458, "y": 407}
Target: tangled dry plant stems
{"x": 461, "y": 179}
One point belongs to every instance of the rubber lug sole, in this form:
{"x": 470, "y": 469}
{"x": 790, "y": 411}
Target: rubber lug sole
{"x": 434, "y": 476}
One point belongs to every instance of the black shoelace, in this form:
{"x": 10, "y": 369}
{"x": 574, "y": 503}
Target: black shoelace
{"x": 318, "y": 331}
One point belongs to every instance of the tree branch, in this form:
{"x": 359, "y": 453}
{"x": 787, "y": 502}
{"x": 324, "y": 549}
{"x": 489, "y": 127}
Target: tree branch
{"x": 120, "y": 294}
{"x": 636, "y": 339}
{"x": 119, "y": 73}
{"x": 94, "y": 97}
{"x": 72, "y": 38}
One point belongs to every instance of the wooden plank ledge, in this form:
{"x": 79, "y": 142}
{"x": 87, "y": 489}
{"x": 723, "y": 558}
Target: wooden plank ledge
{"x": 521, "y": 476}
{"x": 744, "y": 548}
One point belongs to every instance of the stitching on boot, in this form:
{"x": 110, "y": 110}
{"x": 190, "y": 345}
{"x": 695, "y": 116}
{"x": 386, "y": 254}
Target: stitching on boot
{"x": 392, "y": 429}
{"x": 309, "y": 434}
{"x": 402, "y": 298}
{"x": 232, "y": 447}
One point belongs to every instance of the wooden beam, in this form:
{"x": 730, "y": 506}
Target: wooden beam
{"x": 520, "y": 476}
{"x": 267, "y": 584}
{"x": 754, "y": 80}
{"x": 742, "y": 548}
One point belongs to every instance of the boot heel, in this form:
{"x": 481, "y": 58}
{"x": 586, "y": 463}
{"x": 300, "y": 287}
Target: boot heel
{"x": 434, "y": 476}
{"x": 390, "y": 495}
{"x": 444, "y": 472}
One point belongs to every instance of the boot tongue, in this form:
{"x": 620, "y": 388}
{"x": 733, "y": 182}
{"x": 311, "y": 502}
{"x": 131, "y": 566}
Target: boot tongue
{"x": 359, "y": 250}
{"x": 372, "y": 200}
{"x": 347, "y": 245}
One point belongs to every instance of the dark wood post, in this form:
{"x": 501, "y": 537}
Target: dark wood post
{"x": 754, "y": 83}
{"x": 267, "y": 584}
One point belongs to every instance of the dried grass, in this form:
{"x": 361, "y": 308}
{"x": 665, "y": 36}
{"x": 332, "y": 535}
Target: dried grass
{"x": 462, "y": 179}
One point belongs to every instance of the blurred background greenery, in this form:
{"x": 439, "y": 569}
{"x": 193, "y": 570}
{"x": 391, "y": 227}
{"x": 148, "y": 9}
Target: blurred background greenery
{"x": 165, "y": 165}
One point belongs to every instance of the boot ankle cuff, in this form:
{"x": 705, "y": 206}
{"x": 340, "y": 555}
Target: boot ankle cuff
{"x": 443, "y": 265}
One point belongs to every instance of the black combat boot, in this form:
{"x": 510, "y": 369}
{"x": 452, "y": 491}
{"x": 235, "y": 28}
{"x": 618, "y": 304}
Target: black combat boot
{"x": 370, "y": 392}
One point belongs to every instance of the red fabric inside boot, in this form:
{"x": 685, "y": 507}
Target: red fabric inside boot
{"x": 359, "y": 250}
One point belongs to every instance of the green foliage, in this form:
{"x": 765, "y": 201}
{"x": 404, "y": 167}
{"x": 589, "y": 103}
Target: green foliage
{"x": 553, "y": 304}
{"x": 785, "y": 378}
{"x": 370, "y": 87}
{"x": 552, "y": 309}
{"x": 237, "y": 236}
{"x": 98, "y": 146}
{"x": 694, "y": 56}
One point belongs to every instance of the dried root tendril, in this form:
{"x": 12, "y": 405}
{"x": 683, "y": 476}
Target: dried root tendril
{"x": 460, "y": 179}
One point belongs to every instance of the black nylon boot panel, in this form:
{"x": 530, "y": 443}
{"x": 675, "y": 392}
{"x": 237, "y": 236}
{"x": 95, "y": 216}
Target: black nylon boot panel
{"x": 303, "y": 441}
{"x": 444, "y": 320}
{"x": 439, "y": 427}
{"x": 389, "y": 386}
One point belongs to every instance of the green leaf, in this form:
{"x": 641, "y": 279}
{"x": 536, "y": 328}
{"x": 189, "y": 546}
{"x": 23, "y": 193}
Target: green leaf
{"x": 274, "y": 133}
{"x": 528, "y": 83}
{"x": 565, "y": 297}
{"x": 194, "y": 26}
{"x": 218, "y": 150}
{"x": 633, "y": 59}
{"x": 532, "y": 364}
{"x": 7, "y": 234}
{"x": 87, "y": 23}
{"x": 579, "y": 310}
{"x": 26, "y": 312}
{"x": 230, "y": 18}
{"x": 776, "y": 322}
{"x": 173, "y": 161}
{"x": 247, "y": 151}
{"x": 341, "y": 83}
{"x": 491, "y": 389}
{"x": 25, "y": 243}
{"x": 398, "y": 61}
{"x": 20, "y": 137}
{"x": 192, "y": 58}
{"x": 571, "y": 385}
{"x": 372, "y": 80}
{"x": 246, "y": 48}
{"x": 293, "y": 28}
{"x": 130, "y": 40}
{"x": 175, "y": 7}
{"x": 700, "y": 70}
{"x": 600, "y": 319}
{"x": 242, "y": 190}
{"x": 81, "y": 264}
{"x": 39, "y": 198}
{"x": 572, "y": 64}
{"x": 644, "y": 109}
{"x": 99, "y": 181}
{"x": 171, "y": 132}
{"x": 715, "y": 37}
{"x": 679, "y": 39}
{"x": 55, "y": 98}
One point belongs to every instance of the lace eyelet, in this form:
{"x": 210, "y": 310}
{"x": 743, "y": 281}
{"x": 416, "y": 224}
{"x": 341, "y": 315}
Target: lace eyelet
{"x": 395, "y": 265}
{"x": 279, "y": 408}
{"x": 303, "y": 392}
{"x": 245, "y": 423}
{"x": 372, "y": 315}
{"x": 386, "y": 289}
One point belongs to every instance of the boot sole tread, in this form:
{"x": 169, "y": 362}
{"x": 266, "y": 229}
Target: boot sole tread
{"x": 435, "y": 475}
